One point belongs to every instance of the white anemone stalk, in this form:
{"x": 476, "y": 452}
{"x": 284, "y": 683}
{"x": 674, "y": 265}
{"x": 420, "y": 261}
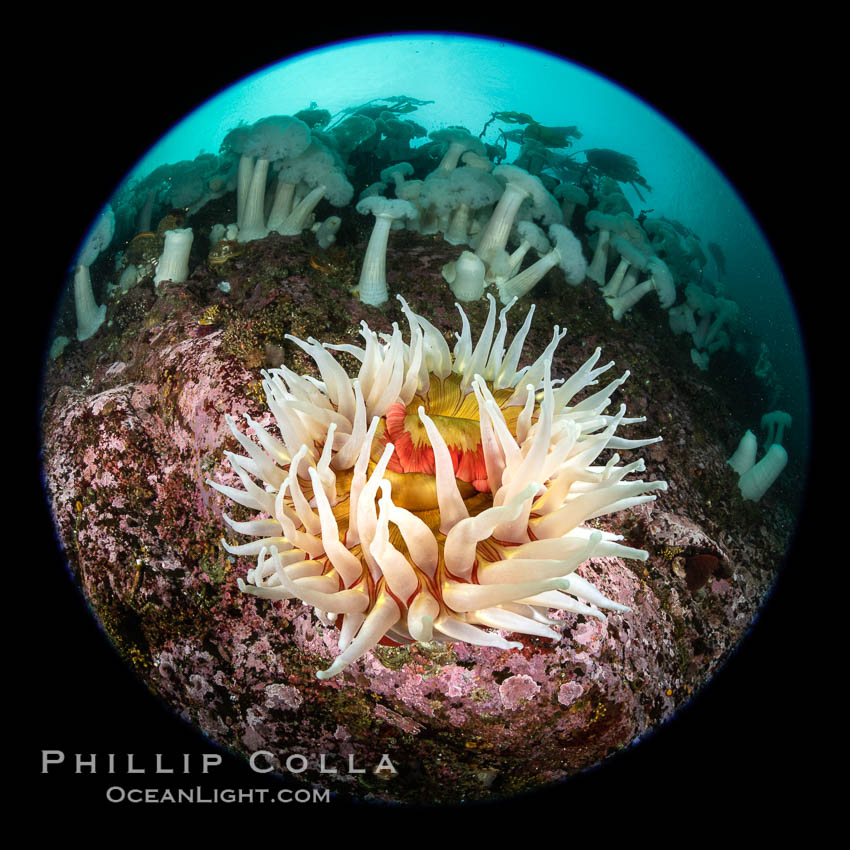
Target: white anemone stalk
{"x": 90, "y": 316}
{"x": 282, "y": 205}
{"x": 243, "y": 184}
{"x": 173, "y": 264}
{"x": 252, "y": 218}
{"x": 299, "y": 217}
{"x": 495, "y": 235}
{"x": 465, "y": 276}
{"x": 373, "y": 275}
{"x": 660, "y": 280}
{"x": 744, "y": 457}
{"x": 758, "y": 479}
{"x": 566, "y": 253}
{"x": 596, "y": 220}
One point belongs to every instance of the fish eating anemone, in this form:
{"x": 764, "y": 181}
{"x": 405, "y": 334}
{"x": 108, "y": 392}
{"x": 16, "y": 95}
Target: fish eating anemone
{"x": 440, "y": 495}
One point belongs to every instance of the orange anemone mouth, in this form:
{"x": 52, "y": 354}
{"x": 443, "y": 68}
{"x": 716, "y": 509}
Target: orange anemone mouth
{"x": 456, "y": 415}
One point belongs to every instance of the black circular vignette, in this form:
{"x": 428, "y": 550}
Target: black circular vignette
{"x": 740, "y": 740}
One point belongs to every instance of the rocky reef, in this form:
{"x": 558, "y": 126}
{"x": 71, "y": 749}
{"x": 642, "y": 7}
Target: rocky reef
{"x": 134, "y": 423}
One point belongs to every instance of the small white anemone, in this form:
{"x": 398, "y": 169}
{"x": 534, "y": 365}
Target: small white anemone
{"x": 373, "y": 275}
{"x": 566, "y": 253}
{"x": 465, "y": 277}
{"x": 604, "y": 224}
{"x": 757, "y": 480}
{"x": 520, "y": 186}
{"x": 660, "y": 280}
{"x": 775, "y": 424}
{"x": 327, "y": 230}
{"x": 90, "y": 316}
{"x": 173, "y": 263}
{"x": 745, "y": 455}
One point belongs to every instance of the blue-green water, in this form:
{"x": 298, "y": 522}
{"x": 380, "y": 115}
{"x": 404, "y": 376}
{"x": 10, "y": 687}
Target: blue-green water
{"x": 468, "y": 79}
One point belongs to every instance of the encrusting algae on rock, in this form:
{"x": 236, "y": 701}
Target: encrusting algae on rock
{"x": 485, "y": 473}
{"x": 444, "y": 531}
{"x": 128, "y": 454}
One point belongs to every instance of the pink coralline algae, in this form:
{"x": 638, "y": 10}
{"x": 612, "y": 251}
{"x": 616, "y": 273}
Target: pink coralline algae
{"x": 517, "y": 690}
{"x": 134, "y": 425}
{"x": 569, "y": 693}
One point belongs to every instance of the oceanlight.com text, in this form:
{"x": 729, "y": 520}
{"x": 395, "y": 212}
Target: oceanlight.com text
{"x": 119, "y": 794}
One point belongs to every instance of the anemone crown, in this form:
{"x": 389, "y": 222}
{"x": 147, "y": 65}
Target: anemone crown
{"x": 457, "y": 512}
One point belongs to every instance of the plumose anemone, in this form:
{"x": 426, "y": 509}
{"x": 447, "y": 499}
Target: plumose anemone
{"x": 438, "y": 496}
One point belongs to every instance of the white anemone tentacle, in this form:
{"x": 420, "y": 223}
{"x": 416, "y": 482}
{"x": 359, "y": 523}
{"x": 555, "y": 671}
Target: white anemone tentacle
{"x": 453, "y": 530}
